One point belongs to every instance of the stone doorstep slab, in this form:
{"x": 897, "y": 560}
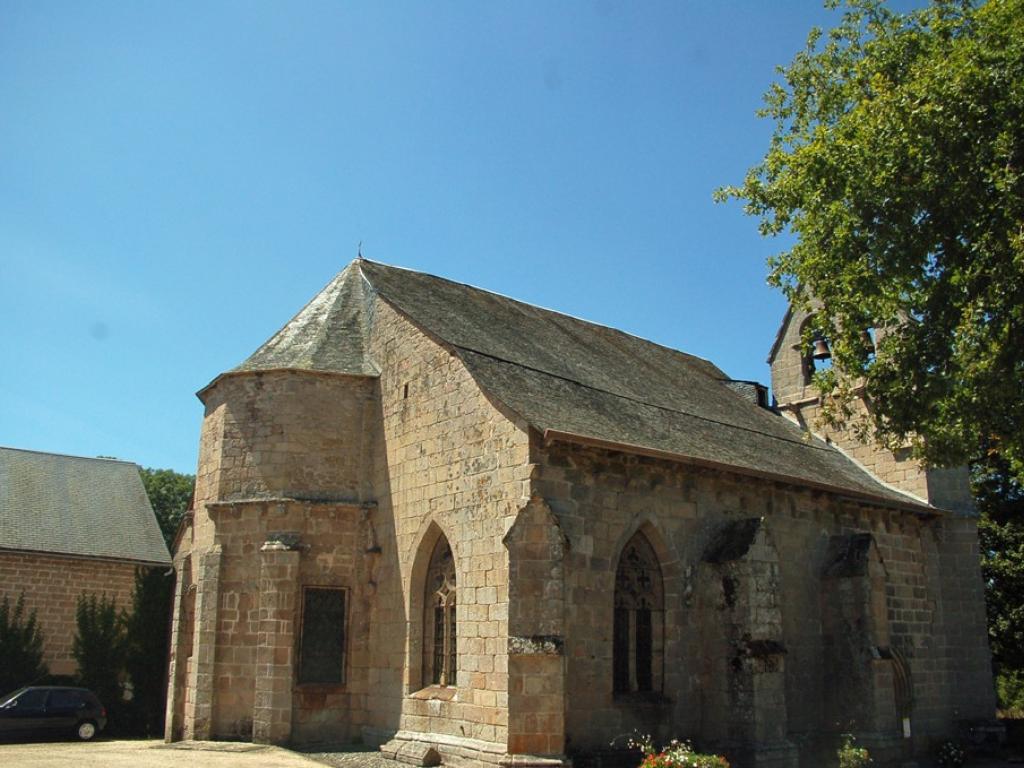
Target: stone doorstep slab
{"x": 531, "y": 761}
{"x": 215, "y": 746}
{"x": 420, "y": 752}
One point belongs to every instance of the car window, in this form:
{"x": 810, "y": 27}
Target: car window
{"x": 11, "y": 697}
{"x": 64, "y": 700}
{"x": 33, "y": 698}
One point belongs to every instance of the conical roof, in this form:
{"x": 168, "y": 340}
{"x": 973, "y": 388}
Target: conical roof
{"x": 327, "y": 335}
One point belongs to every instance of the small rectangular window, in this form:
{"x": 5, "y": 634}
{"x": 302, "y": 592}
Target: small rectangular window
{"x": 322, "y": 643}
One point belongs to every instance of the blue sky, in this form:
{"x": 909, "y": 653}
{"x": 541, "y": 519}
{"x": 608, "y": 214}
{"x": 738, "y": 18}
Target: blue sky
{"x": 178, "y": 179}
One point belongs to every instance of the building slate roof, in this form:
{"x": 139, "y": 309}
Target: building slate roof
{"x": 567, "y": 377}
{"x": 328, "y": 334}
{"x": 70, "y": 505}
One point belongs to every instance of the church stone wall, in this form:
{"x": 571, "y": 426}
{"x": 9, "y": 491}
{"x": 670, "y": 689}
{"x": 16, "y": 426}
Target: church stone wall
{"x": 326, "y": 542}
{"x": 283, "y": 455}
{"x": 600, "y": 498}
{"x": 309, "y": 479}
{"x": 286, "y": 434}
{"x": 349, "y": 475}
{"x": 449, "y": 461}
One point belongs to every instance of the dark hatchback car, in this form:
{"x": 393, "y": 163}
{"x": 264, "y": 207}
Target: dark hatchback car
{"x": 52, "y": 711}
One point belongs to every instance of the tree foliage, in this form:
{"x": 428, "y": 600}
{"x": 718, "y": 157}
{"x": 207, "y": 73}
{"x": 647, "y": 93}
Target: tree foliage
{"x": 147, "y": 628}
{"x": 147, "y": 624}
{"x": 1000, "y": 498}
{"x": 897, "y": 165}
{"x": 21, "y": 646}
{"x": 170, "y": 493}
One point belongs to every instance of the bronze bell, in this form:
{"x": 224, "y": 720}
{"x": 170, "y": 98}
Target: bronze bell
{"x": 821, "y": 350}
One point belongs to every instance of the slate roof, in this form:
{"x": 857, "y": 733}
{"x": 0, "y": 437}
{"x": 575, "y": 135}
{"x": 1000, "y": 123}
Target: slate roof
{"x": 327, "y": 335}
{"x": 71, "y": 505}
{"x": 569, "y": 378}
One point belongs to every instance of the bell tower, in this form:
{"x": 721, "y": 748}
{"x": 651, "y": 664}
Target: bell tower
{"x": 793, "y": 363}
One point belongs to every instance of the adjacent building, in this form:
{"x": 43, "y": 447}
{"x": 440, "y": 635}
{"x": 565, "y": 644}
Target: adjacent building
{"x": 71, "y": 526}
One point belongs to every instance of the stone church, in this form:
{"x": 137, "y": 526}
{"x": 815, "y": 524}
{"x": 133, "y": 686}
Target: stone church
{"x": 473, "y": 531}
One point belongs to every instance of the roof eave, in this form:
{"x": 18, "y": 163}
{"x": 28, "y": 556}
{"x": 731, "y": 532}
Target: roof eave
{"x": 201, "y": 394}
{"x": 918, "y": 508}
{"x": 80, "y": 556}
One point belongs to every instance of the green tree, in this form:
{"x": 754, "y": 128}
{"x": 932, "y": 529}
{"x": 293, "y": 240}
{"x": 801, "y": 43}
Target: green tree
{"x": 147, "y": 624}
{"x": 21, "y": 646}
{"x": 170, "y": 493}
{"x": 1000, "y": 498}
{"x": 147, "y": 634}
{"x": 897, "y": 166}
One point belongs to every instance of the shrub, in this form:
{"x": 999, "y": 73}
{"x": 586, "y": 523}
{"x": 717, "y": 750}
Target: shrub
{"x": 1010, "y": 691}
{"x": 676, "y": 754}
{"x": 21, "y": 646}
{"x": 852, "y": 756}
{"x": 99, "y": 647}
{"x": 950, "y": 755}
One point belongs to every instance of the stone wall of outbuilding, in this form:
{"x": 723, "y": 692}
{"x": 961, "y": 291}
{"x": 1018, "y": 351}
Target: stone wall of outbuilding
{"x": 52, "y": 585}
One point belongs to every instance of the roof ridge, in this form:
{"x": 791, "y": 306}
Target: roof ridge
{"x": 592, "y": 323}
{"x": 70, "y": 455}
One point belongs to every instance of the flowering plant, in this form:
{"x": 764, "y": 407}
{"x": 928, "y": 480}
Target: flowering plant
{"x": 950, "y": 755}
{"x": 852, "y": 756}
{"x": 675, "y": 754}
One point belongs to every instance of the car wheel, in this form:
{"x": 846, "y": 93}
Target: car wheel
{"x": 86, "y": 730}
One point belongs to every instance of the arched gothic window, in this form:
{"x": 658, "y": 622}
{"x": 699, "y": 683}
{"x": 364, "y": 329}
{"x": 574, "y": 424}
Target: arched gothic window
{"x": 440, "y": 660}
{"x": 638, "y": 632}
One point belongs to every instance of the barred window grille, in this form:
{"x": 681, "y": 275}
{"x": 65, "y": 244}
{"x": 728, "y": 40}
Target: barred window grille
{"x": 322, "y": 642}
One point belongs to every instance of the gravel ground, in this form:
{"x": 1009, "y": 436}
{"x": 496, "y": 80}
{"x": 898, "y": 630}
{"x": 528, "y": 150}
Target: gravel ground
{"x": 105, "y": 753}
{"x": 351, "y": 757}
{"x": 148, "y": 754}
